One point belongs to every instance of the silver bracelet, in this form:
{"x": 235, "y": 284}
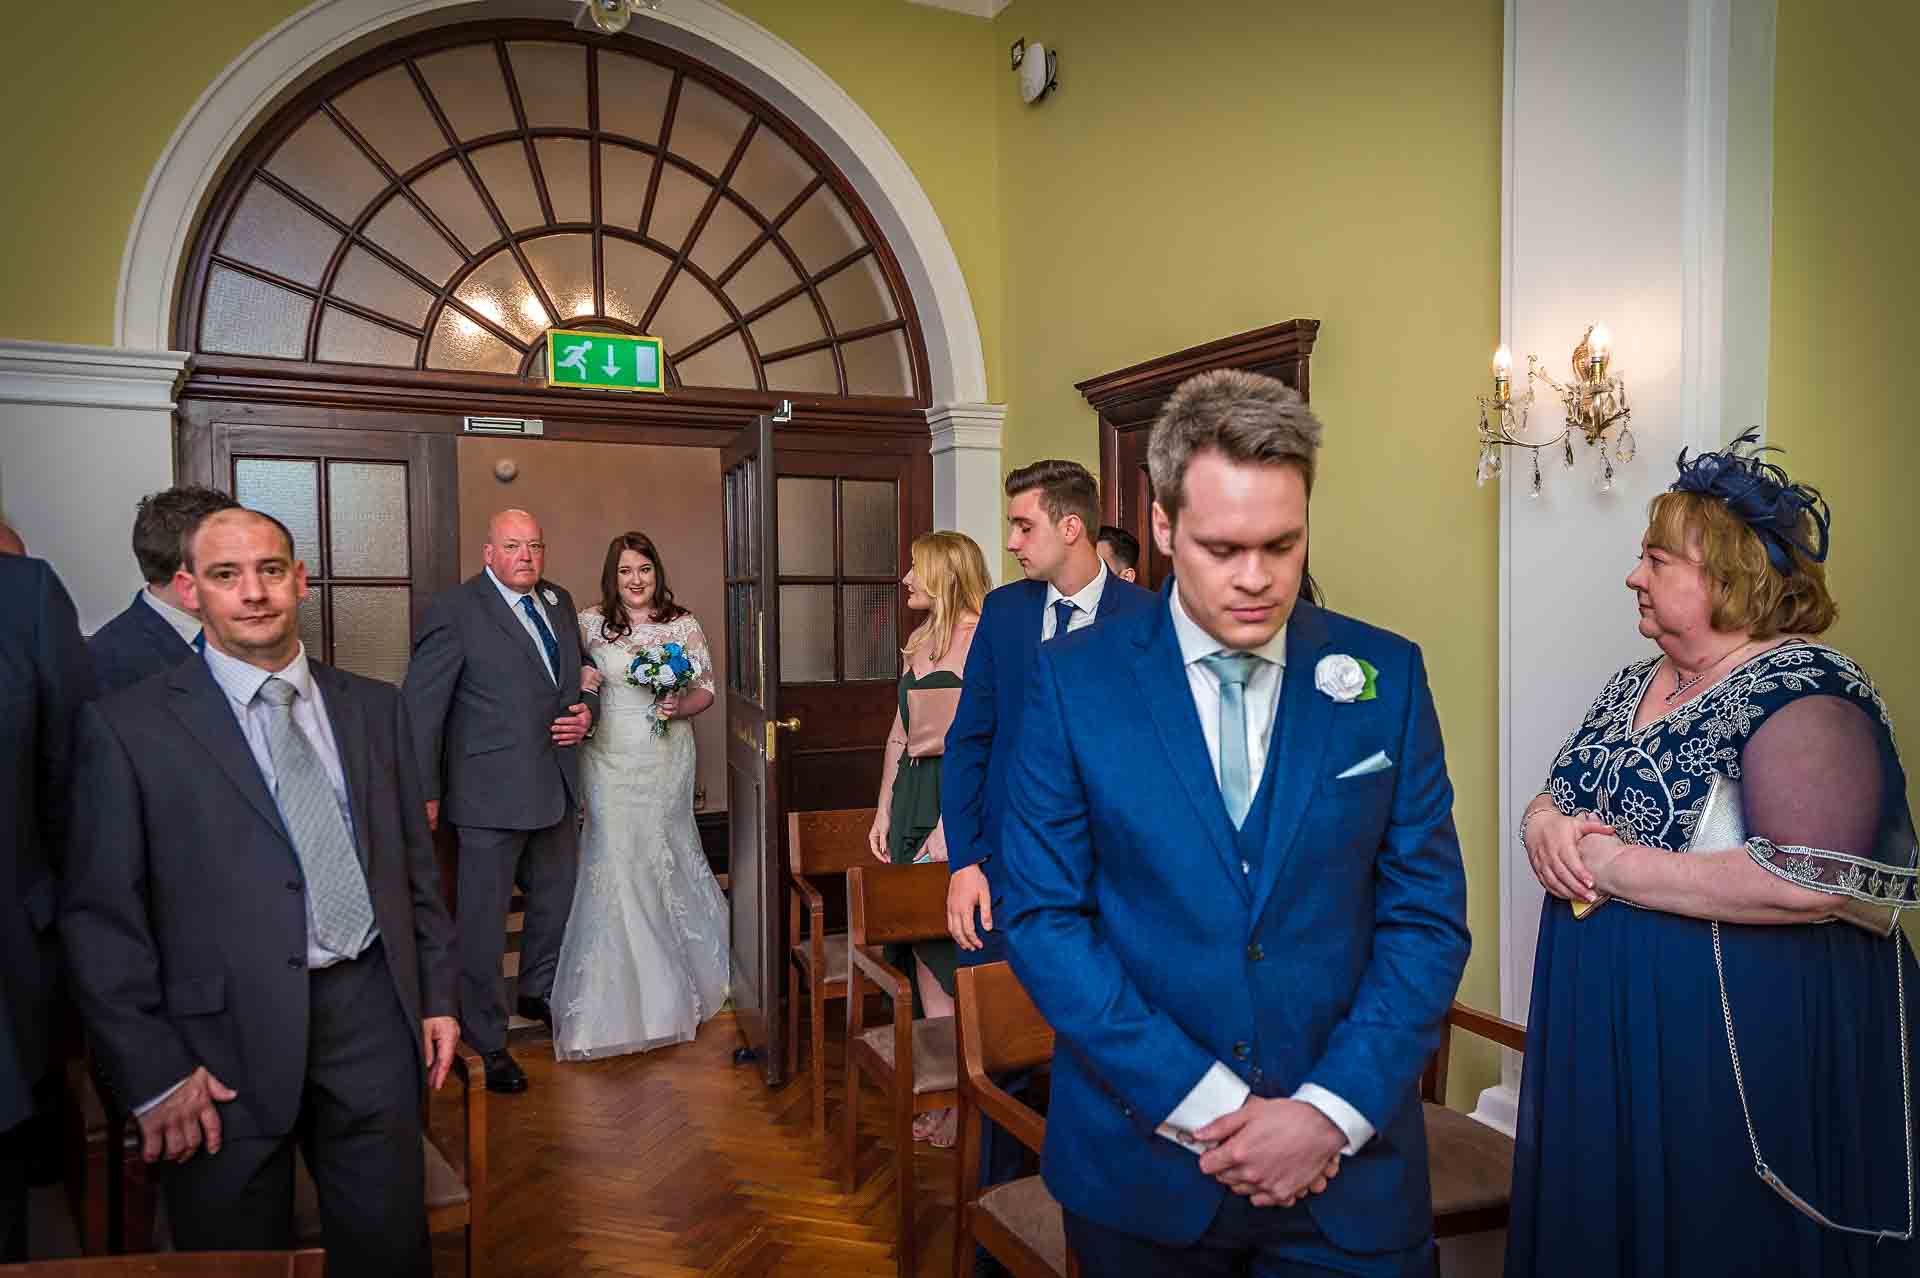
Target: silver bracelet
{"x": 1529, "y": 815}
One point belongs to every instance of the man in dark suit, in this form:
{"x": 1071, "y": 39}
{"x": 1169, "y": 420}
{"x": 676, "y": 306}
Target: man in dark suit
{"x": 253, "y": 922}
{"x": 1239, "y": 903}
{"x": 157, "y": 631}
{"x": 498, "y": 716}
{"x": 44, "y": 678}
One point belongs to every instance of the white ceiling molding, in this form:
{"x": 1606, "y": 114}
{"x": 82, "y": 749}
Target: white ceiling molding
{"x": 972, "y": 8}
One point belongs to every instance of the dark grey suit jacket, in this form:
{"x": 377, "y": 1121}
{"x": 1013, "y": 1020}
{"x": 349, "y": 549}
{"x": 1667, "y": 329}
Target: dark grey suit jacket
{"x": 483, "y": 708}
{"x": 135, "y": 645}
{"x": 183, "y": 909}
{"x": 44, "y": 678}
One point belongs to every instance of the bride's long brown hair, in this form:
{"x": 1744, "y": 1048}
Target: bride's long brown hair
{"x": 663, "y": 608}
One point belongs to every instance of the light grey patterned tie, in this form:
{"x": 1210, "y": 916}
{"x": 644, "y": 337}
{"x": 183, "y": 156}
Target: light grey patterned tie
{"x": 1233, "y": 669}
{"x": 336, "y": 886}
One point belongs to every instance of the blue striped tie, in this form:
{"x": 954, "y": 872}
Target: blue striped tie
{"x": 546, "y": 635}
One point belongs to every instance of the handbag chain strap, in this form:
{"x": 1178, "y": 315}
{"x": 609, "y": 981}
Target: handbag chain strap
{"x": 1760, "y": 1167}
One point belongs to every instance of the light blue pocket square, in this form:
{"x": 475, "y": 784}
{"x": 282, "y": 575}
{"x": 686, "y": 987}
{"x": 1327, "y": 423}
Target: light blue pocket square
{"x": 1375, "y": 762}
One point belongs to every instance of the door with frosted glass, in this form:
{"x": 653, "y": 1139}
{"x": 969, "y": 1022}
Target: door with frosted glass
{"x": 358, "y": 504}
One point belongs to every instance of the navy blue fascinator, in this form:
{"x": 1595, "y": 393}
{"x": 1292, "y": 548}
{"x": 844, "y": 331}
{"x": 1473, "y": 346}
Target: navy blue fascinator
{"x": 1761, "y": 495}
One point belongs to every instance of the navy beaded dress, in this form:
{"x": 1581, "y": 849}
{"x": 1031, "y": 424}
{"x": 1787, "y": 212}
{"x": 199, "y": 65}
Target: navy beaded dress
{"x": 1633, "y": 1155}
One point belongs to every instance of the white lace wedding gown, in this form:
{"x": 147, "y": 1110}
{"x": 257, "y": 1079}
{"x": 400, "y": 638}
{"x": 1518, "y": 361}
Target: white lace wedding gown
{"x": 644, "y": 961}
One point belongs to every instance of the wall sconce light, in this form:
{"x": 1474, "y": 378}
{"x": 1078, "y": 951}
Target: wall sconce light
{"x": 1594, "y": 402}
{"x": 1038, "y": 68}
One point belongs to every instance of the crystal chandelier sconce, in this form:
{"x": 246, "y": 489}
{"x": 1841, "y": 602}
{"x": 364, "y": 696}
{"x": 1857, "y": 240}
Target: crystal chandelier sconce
{"x": 1594, "y": 403}
{"x": 612, "y": 16}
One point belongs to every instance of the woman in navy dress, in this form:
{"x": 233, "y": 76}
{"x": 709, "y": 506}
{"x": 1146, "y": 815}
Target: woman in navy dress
{"x": 1638, "y": 1153}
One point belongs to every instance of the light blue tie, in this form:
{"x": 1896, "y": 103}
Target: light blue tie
{"x": 1233, "y": 669}
{"x": 336, "y": 885}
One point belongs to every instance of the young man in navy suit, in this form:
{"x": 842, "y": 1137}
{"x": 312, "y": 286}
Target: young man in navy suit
{"x": 1234, "y": 889}
{"x": 157, "y": 631}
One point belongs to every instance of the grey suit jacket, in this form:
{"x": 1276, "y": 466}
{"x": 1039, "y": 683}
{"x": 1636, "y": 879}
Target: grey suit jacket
{"x": 483, "y": 708}
{"x": 183, "y": 908}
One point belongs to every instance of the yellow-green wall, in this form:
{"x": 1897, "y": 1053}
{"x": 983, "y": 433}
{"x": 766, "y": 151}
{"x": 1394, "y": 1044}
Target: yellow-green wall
{"x": 1252, "y": 163}
{"x": 1846, "y": 273}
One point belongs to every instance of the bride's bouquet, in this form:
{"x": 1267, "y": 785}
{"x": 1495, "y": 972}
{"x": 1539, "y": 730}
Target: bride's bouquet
{"x": 663, "y": 669}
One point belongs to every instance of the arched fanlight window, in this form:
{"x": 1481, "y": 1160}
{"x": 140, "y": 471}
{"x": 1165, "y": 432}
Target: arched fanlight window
{"x": 439, "y": 204}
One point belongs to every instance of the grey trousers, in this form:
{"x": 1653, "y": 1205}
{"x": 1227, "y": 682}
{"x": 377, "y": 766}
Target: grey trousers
{"x": 544, "y": 863}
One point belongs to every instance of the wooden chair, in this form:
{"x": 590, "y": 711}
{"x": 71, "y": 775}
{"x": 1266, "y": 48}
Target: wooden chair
{"x": 109, "y": 1189}
{"x": 913, "y": 1062}
{"x": 1019, "y": 1222}
{"x": 1470, "y": 1164}
{"x": 819, "y": 844}
{"x": 180, "y": 1264}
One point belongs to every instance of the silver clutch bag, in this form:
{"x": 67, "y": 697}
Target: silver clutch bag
{"x": 1722, "y": 824}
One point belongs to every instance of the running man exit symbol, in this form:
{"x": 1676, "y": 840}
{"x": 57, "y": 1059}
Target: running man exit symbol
{"x": 604, "y": 361}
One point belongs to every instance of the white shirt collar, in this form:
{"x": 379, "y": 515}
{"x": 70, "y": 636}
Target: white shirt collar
{"x": 1196, "y": 643}
{"x": 184, "y": 623}
{"x": 1088, "y": 599}
{"x": 241, "y": 680}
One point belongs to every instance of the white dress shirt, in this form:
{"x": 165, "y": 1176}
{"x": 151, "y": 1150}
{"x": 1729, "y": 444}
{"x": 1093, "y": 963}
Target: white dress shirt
{"x": 1085, "y": 604}
{"x": 184, "y": 624}
{"x": 1220, "y": 1091}
{"x": 513, "y": 598}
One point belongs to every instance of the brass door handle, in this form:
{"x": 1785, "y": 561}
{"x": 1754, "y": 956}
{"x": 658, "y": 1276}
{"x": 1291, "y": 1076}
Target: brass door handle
{"x": 789, "y": 725}
{"x": 773, "y": 725}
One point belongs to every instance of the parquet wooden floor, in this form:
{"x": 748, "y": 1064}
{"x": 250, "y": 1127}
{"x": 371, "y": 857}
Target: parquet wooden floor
{"x": 677, "y": 1162}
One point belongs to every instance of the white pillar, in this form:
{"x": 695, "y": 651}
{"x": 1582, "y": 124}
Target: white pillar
{"x": 85, "y": 432}
{"x": 1636, "y": 193}
{"x": 967, "y": 483}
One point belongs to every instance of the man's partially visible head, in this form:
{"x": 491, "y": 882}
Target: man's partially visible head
{"x": 1052, "y": 509}
{"x": 163, "y": 520}
{"x": 239, "y": 575}
{"x": 515, "y": 550}
{"x": 10, "y": 543}
{"x": 1232, "y": 460}
{"x": 1120, "y": 552}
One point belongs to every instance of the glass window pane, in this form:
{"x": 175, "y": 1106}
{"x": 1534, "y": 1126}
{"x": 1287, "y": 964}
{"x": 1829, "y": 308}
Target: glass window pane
{"x": 552, "y": 79}
{"x": 878, "y": 365}
{"x": 248, "y": 316}
{"x": 726, "y": 235}
{"x": 460, "y": 343}
{"x": 806, "y": 526}
{"x": 321, "y": 163}
{"x": 706, "y": 127}
{"x": 446, "y": 190}
{"x": 793, "y": 323}
{"x": 752, "y": 643}
{"x": 373, "y": 630}
{"x": 564, "y": 264}
{"x": 689, "y": 313}
{"x": 809, "y": 374}
{"x": 723, "y": 364}
{"x": 312, "y": 637}
{"x": 771, "y": 173}
{"x": 500, "y": 291}
{"x": 289, "y": 490}
{"x": 857, "y": 296}
{"x": 400, "y": 229}
{"x": 633, "y": 96}
{"x": 624, "y": 174}
{"x": 388, "y": 111}
{"x": 564, "y": 163}
{"x": 348, "y": 339}
{"x": 821, "y": 231}
{"x": 503, "y": 171}
{"x": 272, "y": 232}
{"x": 633, "y": 273}
{"x": 870, "y": 628}
{"x": 675, "y": 205}
{"x": 466, "y": 83}
{"x": 806, "y": 634}
{"x": 367, "y": 520}
{"x": 766, "y": 275}
{"x": 370, "y": 282}
{"x": 870, "y": 528}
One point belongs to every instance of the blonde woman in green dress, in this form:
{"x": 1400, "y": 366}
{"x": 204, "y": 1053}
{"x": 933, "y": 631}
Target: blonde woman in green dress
{"x": 948, "y": 582}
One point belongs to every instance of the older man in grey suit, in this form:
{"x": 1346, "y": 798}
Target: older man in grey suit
{"x": 498, "y": 716}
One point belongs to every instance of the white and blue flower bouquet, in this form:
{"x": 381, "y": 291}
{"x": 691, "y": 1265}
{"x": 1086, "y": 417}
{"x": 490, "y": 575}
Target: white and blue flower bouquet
{"x": 663, "y": 669}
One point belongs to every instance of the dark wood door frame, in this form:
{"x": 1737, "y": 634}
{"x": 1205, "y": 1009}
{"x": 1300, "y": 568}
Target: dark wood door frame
{"x": 1129, "y": 399}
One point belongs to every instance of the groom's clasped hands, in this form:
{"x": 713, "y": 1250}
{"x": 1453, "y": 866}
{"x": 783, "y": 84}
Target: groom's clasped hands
{"x": 1273, "y": 1151}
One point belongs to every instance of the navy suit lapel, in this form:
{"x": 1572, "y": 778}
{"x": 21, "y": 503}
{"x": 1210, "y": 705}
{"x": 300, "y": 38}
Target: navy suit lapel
{"x": 504, "y": 617}
{"x": 158, "y": 629}
{"x": 1302, "y": 725}
{"x": 349, "y": 726}
{"x": 203, "y": 708}
{"x": 1162, "y": 677}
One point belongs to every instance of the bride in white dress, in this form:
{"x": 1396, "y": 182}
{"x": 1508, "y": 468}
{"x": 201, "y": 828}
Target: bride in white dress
{"x": 644, "y": 961}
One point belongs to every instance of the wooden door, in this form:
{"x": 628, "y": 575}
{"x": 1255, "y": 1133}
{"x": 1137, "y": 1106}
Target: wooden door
{"x": 753, "y": 740}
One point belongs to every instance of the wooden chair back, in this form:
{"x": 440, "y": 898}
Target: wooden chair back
{"x": 1000, "y": 1028}
{"x": 891, "y": 903}
{"x": 1433, "y": 1080}
{"x": 1469, "y": 1164}
{"x": 180, "y": 1264}
{"x": 828, "y": 843}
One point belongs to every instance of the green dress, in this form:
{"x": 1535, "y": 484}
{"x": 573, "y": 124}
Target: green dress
{"x": 915, "y": 810}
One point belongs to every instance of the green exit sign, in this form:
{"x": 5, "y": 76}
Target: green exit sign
{"x": 605, "y": 361}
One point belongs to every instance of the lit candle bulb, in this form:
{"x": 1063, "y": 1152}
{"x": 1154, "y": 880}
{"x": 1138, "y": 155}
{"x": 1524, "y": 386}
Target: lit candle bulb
{"x": 1599, "y": 349}
{"x": 1502, "y": 376}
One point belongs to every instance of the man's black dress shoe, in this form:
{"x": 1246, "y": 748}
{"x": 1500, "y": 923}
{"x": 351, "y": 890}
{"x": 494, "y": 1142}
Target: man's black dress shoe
{"x": 504, "y": 1073}
{"x": 536, "y": 1009}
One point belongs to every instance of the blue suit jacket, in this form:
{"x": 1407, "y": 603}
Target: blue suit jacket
{"x": 1153, "y": 954}
{"x": 979, "y": 749}
{"x": 134, "y": 646}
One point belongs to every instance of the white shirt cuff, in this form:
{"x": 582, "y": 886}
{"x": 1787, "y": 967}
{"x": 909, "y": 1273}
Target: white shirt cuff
{"x": 1356, "y": 1128}
{"x": 1219, "y": 1092}
{"x": 138, "y": 1110}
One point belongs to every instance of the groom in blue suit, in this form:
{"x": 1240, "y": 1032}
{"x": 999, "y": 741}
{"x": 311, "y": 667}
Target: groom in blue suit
{"x": 1234, "y": 889}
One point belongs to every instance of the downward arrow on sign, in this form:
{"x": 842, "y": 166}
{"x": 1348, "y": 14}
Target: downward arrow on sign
{"x": 613, "y": 364}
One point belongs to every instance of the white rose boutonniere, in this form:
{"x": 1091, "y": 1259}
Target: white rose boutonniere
{"x": 1345, "y": 678}
{"x": 553, "y": 600}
